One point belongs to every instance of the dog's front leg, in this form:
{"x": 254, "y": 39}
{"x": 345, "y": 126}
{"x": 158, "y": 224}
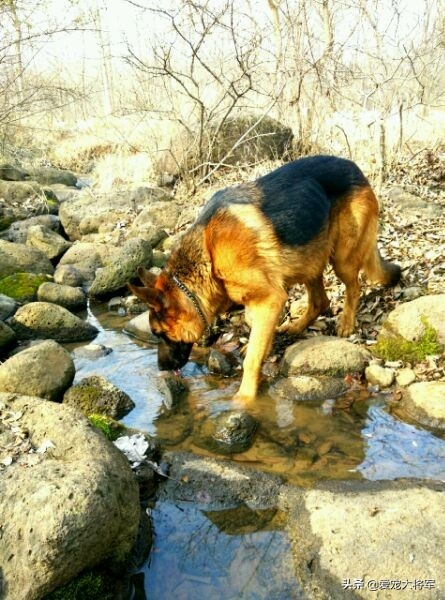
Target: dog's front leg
{"x": 263, "y": 318}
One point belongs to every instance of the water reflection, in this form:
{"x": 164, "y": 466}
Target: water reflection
{"x": 237, "y": 553}
{"x": 304, "y": 442}
{"x": 395, "y": 449}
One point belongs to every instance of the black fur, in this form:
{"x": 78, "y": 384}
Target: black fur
{"x": 296, "y": 197}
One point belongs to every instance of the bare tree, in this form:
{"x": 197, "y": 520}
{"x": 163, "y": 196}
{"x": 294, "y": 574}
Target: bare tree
{"x": 206, "y": 65}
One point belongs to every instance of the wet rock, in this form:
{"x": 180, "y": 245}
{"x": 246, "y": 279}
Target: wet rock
{"x": 172, "y": 388}
{"x": 405, "y": 377}
{"x": 47, "y": 241}
{"x": 96, "y": 395}
{"x": 8, "y": 306}
{"x": 91, "y": 351}
{"x": 218, "y": 363}
{"x": 174, "y": 426}
{"x": 409, "y": 320}
{"x": 425, "y": 403}
{"x": 305, "y": 387}
{"x": 230, "y": 432}
{"x": 45, "y": 370}
{"x": 130, "y": 305}
{"x": 348, "y": 532}
{"x": 241, "y": 520}
{"x": 19, "y": 258}
{"x": 324, "y": 355}
{"x": 22, "y": 287}
{"x": 134, "y": 253}
{"x": 63, "y": 295}
{"x": 147, "y": 481}
{"x": 46, "y": 320}
{"x": 7, "y": 336}
{"x": 377, "y": 375}
{"x": 217, "y": 484}
{"x": 64, "y": 509}
{"x": 139, "y": 327}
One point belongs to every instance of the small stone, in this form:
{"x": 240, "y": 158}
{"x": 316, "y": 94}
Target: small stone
{"x": 218, "y": 363}
{"x": 172, "y": 388}
{"x": 231, "y": 432}
{"x": 405, "y": 377}
{"x": 377, "y": 375}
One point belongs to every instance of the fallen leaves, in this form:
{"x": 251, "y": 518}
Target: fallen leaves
{"x": 15, "y": 443}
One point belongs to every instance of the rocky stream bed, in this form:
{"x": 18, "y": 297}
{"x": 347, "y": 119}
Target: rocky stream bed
{"x": 289, "y": 499}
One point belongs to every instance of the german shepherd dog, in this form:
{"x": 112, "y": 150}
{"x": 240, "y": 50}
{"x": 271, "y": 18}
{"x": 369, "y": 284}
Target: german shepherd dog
{"x": 251, "y": 243}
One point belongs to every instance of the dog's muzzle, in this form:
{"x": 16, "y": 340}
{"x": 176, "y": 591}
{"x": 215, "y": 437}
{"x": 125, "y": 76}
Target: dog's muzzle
{"x": 172, "y": 355}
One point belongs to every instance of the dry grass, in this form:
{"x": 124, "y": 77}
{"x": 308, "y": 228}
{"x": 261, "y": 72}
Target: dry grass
{"x": 120, "y": 152}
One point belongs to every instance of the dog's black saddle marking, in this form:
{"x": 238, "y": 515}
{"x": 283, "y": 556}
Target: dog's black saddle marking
{"x": 296, "y": 197}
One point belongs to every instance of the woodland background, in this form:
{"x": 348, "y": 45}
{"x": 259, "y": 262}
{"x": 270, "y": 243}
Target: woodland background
{"x": 129, "y": 90}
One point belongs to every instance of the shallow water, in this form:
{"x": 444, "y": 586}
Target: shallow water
{"x": 194, "y": 555}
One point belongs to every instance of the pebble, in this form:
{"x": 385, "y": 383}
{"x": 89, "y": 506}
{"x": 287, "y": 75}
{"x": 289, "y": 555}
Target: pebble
{"x": 405, "y": 377}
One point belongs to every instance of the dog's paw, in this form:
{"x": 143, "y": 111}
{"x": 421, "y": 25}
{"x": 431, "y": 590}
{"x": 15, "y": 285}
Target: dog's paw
{"x": 345, "y": 329}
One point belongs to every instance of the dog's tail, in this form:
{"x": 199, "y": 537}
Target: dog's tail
{"x": 381, "y": 271}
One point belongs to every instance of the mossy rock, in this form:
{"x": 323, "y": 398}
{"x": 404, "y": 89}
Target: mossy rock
{"x": 91, "y": 585}
{"x": 96, "y": 395}
{"x": 110, "y": 428}
{"x": 392, "y": 346}
{"x": 22, "y": 286}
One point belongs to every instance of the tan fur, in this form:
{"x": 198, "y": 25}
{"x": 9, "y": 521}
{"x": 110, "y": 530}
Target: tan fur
{"x": 237, "y": 258}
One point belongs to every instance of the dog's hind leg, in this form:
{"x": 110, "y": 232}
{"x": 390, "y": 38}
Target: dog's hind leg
{"x": 348, "y": 273}
{"x": 318, "y": 303}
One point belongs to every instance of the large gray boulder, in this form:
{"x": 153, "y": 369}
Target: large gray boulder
{"x": 85, "y": 258}
{"x": 68, "y": 501}
{"x": 46, "y": 320}
{"x": 424, "y": 402}
{"x": 410, "y": 320}
{"x": 64, "y": 295}
{"x": 47, "y": 241}
{"x": 359, "y": 539}
{"x": 51, "y": 175}
{"x": 134, "y": 253}
{"x": 16, "y": 258}
{"x": 324, "y": 355}
{"x": 45, "y": 370}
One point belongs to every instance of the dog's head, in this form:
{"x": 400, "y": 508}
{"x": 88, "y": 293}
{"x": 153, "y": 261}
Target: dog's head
{"x": 171, "y": 317}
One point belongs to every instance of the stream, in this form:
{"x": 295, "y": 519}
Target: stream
{"x": 202, "y": 554}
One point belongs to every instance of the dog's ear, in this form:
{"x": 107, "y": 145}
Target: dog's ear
{"x": 151, "y": 296}
{"x": 147, "y": 277}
